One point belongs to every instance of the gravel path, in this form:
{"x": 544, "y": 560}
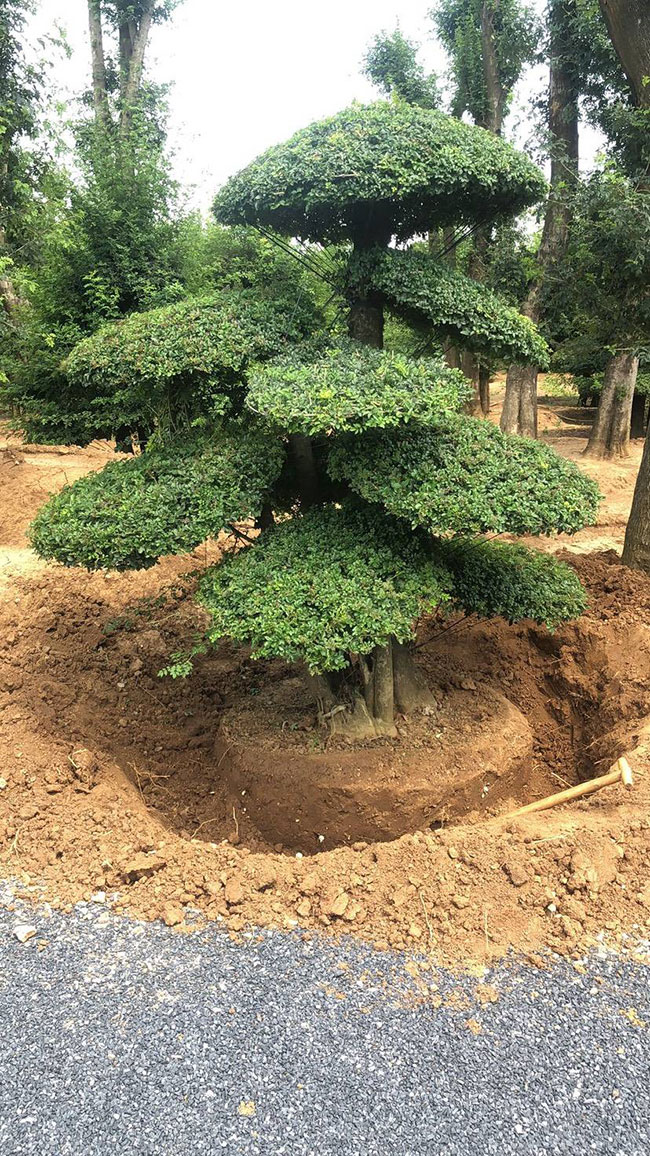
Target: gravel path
{"x": 120, "y": 1037}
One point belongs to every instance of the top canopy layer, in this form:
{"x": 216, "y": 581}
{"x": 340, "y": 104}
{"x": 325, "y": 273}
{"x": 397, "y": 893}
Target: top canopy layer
{"x": 380, "y": 170}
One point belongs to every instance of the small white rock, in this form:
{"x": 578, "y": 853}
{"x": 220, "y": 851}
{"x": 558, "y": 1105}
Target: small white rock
{"x": 3, "y": 784}
{"x": 23, "y": 932}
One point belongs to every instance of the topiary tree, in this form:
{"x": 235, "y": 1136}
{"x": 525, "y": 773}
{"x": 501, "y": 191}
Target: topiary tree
{"x": 370, "y": 487}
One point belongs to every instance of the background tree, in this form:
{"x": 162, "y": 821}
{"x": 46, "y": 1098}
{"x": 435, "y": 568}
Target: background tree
{"x": 488, "y": 43}
{"x": 110, "y": 241}
{"x": 24, "y": 162}
{"x": 629, "y": 28}
{"x": 628, "y": 24}
{"x": 519, "y": 414}
{"x": 603, "y": 285}
{"x": 363, "y": 446}
{"x": 116, "y": 86}
{"x": 392, "y": 64}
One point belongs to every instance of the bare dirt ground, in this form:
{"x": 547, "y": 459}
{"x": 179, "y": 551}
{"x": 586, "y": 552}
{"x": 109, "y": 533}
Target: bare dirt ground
{"x": 218, "y": 797}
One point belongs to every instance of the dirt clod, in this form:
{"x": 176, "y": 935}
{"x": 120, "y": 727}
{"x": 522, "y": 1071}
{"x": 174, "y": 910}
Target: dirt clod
{"x": 172, "y": 914}
{"x": 233, "y": 891}
{"x": 336, "y": 906}
{"x": 142, "y": 866}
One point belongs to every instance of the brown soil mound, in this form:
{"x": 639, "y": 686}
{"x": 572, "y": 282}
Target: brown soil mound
{"x": 220, "y": 796}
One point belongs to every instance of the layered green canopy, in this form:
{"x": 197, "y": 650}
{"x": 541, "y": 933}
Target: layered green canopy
{"x": 474, "y": 317}
{"x": 467, "y": 477}
{"x": 166, "y": 501}
{"x": 505, "y": 580}
{"x": 353, "y": 387}
{"x": 341, "y": 580}
{"x": 373, "y": 171}
{"x": 184, "y": 358}
{"x": 327, "y": 583}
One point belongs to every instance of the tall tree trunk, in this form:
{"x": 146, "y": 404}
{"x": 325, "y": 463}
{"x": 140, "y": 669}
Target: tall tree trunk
{"x": 628, "y": 24}
{"x": 100, "y": 95}
{"x": 520, "y": 413}
{"x": 451, "y": 351}
{"x": 484, "y": 389}
{"x": 610, "y": 434}
{"x": 8, "y": 294}
{"x": 127, "y": 37}
{"x": 451, "y": 355}
{"x": 636, "y": 549}
{"x": 133, "y": 43}
{"x": 366, "y": 321}
{"x": 493, "y": 87}
{"x": 470, "y": 368}
{"x": 479, "y": 404}
{"x": 471, "y": 364}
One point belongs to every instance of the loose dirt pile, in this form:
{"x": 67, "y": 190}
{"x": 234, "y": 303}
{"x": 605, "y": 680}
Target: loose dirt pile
{"x": 219, "y": 798}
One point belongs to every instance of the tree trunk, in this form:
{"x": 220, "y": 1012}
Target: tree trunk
{"x": 470, "y": 368}
{"x": 519, "y": 414}
{"x": 636, "y": 549}
{"x": 638, "y": 423}
{"x": 8, "y": 294}
{"x": 307, "y": 473}
{"x": 100, "y": 96}
{"x": 628, "y": 24}
{"x": 127, "y": 36}
{"x": 563, "y": 115}
{"x": 484, "y": 389}
{"x": 266, "y": 520}
{"x": 410, "y": 689}
{"x": 366, "y": 322}
{"x": 384, "y": 698}
{"x": 346, "y": 716}
{"x": 134, "y": 46}
{"x": 389, "y": 680}
{"x": 610, "y": 434}
{"x": 493, "y": 88}
{"x": 347, "y": 712}
{"x": 451, "y": 355}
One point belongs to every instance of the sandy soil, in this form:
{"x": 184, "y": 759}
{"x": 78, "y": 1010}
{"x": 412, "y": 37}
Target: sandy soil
{"x": 218, "y": 797}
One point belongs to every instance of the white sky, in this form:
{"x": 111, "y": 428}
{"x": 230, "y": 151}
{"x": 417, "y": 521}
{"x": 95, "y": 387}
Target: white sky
{"x": 247, "y": 75}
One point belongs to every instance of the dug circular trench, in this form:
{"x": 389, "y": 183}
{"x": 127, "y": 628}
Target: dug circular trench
{"x": 519, "y": 714}
{"x": 310, "y": 801}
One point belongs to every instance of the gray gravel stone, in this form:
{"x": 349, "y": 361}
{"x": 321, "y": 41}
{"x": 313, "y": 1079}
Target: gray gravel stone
{"x": 120, "y": 1037}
